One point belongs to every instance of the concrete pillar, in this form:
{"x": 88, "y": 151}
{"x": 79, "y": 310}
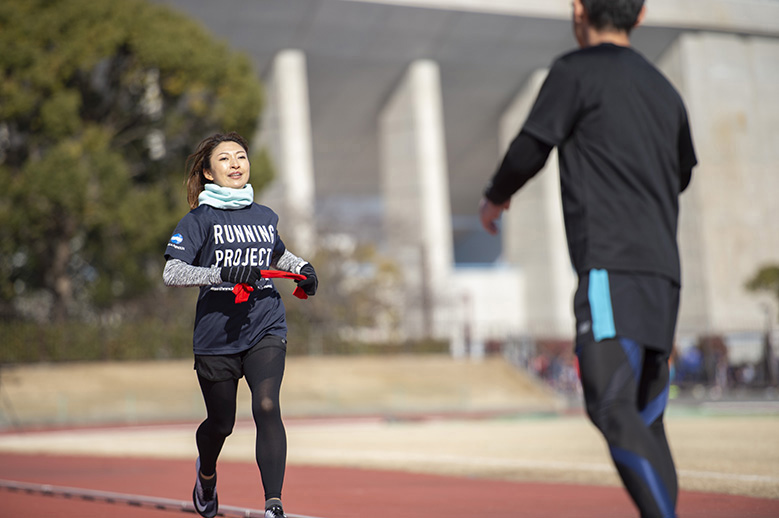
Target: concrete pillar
{"x": 534, "y": 234}
{"x": 286, "y": 132}
{"x": 729, "y": 221}
{"x": 415, "y": 188}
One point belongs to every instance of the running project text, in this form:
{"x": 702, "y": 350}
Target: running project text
{"x": 248, "y": 256}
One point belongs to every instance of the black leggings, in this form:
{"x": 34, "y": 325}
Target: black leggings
{"x": 263, "y": 370}
{"x": 625, "y": 391}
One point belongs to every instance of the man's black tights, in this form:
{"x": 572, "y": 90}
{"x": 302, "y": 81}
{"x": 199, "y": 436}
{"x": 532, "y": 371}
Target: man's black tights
{"x": 626, "y": 391}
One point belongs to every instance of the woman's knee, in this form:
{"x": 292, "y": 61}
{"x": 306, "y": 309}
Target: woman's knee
{"x": 265, "y": 406}
{"x": 221, "y": 426}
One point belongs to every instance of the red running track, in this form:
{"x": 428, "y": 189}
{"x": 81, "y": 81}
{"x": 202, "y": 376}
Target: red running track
{"x": 331, "y": 492}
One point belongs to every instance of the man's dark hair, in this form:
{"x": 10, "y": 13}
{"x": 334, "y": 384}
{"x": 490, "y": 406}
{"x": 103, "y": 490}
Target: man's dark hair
{"x": 619, "y": 15}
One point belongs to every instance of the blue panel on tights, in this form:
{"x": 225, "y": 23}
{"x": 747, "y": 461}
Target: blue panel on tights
{"x": 656, "y": 407}
{"x": 641, "y": 467}
{"x": 635, "y": 355}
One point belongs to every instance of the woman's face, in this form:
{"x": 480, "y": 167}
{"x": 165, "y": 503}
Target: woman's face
{"x": 229, "y": 165}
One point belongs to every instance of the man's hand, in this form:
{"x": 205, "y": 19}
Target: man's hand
{"x": 489, "y": 213}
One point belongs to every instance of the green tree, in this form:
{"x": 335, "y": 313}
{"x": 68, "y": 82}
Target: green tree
{"x": 766, "y": 279}
{"x": 100, "y": 103}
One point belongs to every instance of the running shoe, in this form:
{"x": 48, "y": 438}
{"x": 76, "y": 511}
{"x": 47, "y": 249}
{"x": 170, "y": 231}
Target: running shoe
{"x": 275, "y": 512}
{"x": 204, "y": 498}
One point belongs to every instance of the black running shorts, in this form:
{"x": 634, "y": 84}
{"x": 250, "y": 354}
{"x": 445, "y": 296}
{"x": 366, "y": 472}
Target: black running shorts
{"x": 222, "y": 367}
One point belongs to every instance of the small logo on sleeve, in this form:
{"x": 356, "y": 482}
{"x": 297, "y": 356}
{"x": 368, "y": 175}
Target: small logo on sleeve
{"x": 175, "y": 241}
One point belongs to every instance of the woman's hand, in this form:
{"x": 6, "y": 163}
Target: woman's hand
{"x": 241, "y": 274}
{"x": 310, "y": 283}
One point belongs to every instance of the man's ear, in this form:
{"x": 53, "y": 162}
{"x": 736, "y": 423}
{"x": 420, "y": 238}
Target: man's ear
{"x": 578, "y": 11}
{"x": 640, "y": 17}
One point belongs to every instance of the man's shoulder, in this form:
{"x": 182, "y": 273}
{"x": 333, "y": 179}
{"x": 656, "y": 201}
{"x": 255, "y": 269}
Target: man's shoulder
{"x": 603, "y": 63}
{"x": 586, "y": 62}
{"x": 602, "y": 55}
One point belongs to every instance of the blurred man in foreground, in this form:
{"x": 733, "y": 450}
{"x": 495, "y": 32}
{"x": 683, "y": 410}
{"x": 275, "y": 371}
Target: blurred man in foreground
{"x": 626, "y": 154}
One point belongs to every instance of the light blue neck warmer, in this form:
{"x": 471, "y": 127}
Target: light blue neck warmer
{"x": 225, "y": 197}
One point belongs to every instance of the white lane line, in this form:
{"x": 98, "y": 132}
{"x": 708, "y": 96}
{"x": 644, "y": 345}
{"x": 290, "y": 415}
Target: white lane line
{"x": 153, "y": 502}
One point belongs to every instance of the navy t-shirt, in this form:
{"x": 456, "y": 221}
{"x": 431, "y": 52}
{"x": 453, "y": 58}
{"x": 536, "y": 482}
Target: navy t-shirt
{"x": 625, "y": 154}
{"x": 207, "y": 237}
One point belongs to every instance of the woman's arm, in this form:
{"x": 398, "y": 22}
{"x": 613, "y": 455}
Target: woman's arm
{"x": 179, "y": 273}
{"x": 288, "y": 262}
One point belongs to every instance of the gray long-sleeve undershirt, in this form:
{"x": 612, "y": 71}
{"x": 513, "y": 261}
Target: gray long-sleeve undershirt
{"x": 179, "y": 273}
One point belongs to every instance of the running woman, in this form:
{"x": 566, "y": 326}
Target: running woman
{"x": 222, "y": 245}
{"x": 626, "y": 154}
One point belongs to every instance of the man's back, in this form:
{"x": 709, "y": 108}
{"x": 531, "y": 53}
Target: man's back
{"x": 624, "y": 144}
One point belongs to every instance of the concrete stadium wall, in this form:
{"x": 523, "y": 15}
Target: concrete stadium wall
{"x": 721, "y": 54}
{"x": 729, "y": 224}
